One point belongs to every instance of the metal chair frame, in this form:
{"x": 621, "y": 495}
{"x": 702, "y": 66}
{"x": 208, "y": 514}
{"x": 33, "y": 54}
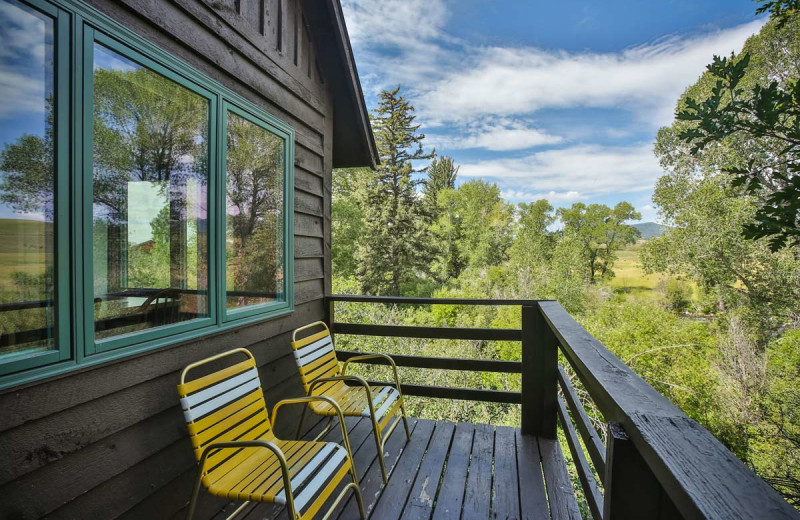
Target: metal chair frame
{"x": 380, "y": 435}
{"x": 287, "y": 484}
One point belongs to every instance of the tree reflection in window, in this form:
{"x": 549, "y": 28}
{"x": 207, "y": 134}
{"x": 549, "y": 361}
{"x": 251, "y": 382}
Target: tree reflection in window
{"x": 27, "y": 173}
{"x": 150, "y": 182}
{"x": 254, "y": 223}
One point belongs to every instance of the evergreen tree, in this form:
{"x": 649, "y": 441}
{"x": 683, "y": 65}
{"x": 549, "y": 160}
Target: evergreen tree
{"x": 392, "y": 252}
{"x": 442, "y": 256}
{"x": 442, "y": 174}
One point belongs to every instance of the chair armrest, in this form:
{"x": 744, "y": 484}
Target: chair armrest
{"x": 366, "y": 357}
{"x": 303, "y": 400}
{"x": 243, "y": 444}
{"x": 358, "y": 379}
{"x": 375, "y": 356}
{"x": 311, "y": 399}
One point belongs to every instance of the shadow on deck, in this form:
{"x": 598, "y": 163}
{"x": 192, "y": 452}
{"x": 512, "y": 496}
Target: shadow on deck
{"x": 451, "y": 471}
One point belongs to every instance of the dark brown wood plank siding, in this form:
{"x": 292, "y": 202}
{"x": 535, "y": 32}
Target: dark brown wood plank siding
{"x": 110, "y": 441}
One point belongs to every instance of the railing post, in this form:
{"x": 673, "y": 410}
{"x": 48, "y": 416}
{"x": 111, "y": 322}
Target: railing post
{"x": 631, "y": 489}
{"x": 328, "y": 313}
{"x": 539, "y": 374}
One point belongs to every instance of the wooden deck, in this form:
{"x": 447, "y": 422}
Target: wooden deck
{"x": 452, "y": 471}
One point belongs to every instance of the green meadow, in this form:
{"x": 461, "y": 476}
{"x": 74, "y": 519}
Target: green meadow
{"x": 23, "y": 248}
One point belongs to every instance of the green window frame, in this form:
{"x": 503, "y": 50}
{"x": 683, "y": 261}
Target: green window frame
{"x": 232, "y": 315}
{"x": 78, "y": 28}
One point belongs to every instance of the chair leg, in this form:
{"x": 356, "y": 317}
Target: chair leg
{"x": 302, "y": 422}
{"x": 379, "y": 445}
{"x": 195, "y": 493}
{"x": 405, "y": 420}
{"x": 360, "y": 501}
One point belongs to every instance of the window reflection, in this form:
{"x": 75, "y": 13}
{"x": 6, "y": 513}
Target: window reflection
{"x": 150, "y": 184}
{"x": 254, "y": 222}
{"x": 26, "y": 180}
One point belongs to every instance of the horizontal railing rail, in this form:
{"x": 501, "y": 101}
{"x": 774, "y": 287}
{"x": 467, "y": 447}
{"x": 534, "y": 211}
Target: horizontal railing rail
{"x": 656, "y": 462}
{"x": 439, "y": 363}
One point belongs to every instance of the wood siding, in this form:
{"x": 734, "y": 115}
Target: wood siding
{"x": 110, "y": 441}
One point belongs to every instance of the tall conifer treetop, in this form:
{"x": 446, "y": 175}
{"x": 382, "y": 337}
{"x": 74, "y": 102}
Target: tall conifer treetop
{"x": 393, "y": 249}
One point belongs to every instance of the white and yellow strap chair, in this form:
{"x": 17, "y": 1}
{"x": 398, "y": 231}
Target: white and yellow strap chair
{"x": 322, "y": 376}
{"x": 238, "y": 454}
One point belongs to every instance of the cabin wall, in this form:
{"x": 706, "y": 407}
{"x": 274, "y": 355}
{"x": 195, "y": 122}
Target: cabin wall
{"x": 109, "y": 441}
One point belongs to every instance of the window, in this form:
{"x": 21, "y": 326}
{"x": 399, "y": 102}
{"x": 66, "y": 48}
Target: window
{"x": 29, "y": 210}
{"x": 254, "y": 219}
{"x": 150, "y": 193}
{"x": 179, "y": 224}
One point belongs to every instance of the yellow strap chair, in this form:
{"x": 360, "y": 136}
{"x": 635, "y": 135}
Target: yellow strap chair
{"x": 321, "y": 376}
{"x": 238, "y": 454}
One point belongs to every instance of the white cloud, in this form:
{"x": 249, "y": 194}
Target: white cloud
{"x": 588, "y": 170}
{"x": 552, "y": 196}
{"x": 490, "y": 98}
{"x": 23, "y": 61}
{"x": 397, "y": 22}
{"x": 495, "y": 134}
{"x": 511, "y": 81}
{"x": 397, "y": 41}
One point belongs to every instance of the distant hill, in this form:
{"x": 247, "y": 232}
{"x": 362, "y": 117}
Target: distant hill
{"x": 650, "y": 229}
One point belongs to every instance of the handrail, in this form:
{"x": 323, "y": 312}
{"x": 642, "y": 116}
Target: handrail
{"x": 472, "y": 365}
{"x": 657, "y": 462}
{"x": 699, "y": 474}
{"x": 459, "y": 333}
{"x": 405, "y": 331}
{"x": 410, "y": 300}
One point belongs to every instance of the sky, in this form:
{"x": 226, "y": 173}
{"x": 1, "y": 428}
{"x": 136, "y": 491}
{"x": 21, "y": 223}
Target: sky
{"x": 556, "y": 100}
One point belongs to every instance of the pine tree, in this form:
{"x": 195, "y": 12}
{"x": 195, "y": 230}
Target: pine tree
{"x": 442, "y": 174}
{"x": 441, "y": 259}
{"x": 392, "y": 252}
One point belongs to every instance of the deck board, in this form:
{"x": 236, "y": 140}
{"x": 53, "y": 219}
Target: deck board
{"x": 532, "y": 495}
{"x": 395, "y": 494}
{"x": 426, "y": 483}
{"x": 452, "y": 471}
{"x": 451, "y": 492}
{"x": 505, "y": 485}
{"x": 560, "y": 492}
{"x": 478, "y": 495}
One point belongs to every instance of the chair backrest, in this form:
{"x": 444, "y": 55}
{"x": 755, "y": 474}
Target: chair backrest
{"x": 225, "y": 405}
{"x": 314, "y": 354}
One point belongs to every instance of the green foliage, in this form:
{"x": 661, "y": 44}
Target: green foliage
{"x": 347, "y": 216}
{"x": 441, "y": 175}
{"x": 393, "y": 249}
{"x": 533, "y": 243}
{"x": 676, "y": 294}
{"x": 765, "y": 112}
{"x": 781, "y": 10}
{"x": 775, "y": 446}
{"x": 476, "y": 222}
{"x": 28, "y": 171}
{"x": 602, "y": 231}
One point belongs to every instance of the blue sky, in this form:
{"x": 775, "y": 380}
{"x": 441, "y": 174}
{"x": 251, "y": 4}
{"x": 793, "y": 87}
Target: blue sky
{"x": 557, "y": 100}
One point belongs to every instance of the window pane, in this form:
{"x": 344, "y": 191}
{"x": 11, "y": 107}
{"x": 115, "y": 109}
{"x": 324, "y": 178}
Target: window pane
{"x": 150, "y": 184}
{"x": 26, "y": 180}
{"x": 254, "y": 222}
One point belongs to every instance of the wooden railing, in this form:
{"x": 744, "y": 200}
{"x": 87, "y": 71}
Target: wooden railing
{"x": 657, "y": 462}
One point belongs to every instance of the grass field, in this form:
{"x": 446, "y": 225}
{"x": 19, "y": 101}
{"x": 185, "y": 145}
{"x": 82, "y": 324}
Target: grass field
{"x": 22, "y": 248}
{"x": 629, "y": 275}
